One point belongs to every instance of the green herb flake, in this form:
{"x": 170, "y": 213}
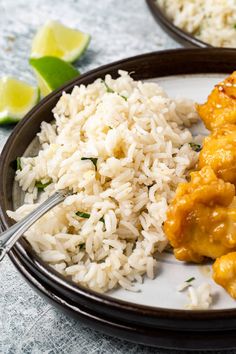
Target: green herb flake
{"x": 41, "y": 186}
{"x": 103, "y": 220}
{"x": 235, "y": 26}
{"x": 83, "y": 215}
{"x": 189, "y": 280}
{"x": 18, "y": 164}
{"x": 93, "y": 159}
{"x": 110, "y": 90}
{"x": 150, "y": 186}
{"x": 195, "y": 147}
{"x": 124, "y": 97}
{"x": 82, "y": 247}
{"x": 87, "y": 216}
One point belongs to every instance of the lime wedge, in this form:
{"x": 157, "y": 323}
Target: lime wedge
{"x": 16, "y": 99}
{"x": 56, "y": 40}
{"x": 52, "y": 73}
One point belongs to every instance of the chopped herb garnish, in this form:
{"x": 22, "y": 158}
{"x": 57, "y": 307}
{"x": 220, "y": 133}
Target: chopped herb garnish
{"x": 151, "y": 185}
{"x": 110, "y": 90}
{"x": 93, "y": 159}
{"x": 195, "y": 147}
{"x": 82, "y": 247}
{"x": 235, "y": 25}
{"x": 124, "y": 97}
{"x": 189, "y": 280}
{"x": 103, "y": 220}
{"x": 83, "y": 215}
{"x": 18, "y": 164}
{"x": 41, "y": 186}
{"x": 87, "y": 216}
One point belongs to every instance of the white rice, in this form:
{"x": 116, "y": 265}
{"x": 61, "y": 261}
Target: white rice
{"x": 139, "y": 137}
{"x": 212, "y": 21}
{"x": 200, "y": 298}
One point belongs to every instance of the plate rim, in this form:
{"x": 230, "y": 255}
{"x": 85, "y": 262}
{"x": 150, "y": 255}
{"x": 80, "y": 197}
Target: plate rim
{"x": 110, "y": 327}
{"x": 23, "y": 248}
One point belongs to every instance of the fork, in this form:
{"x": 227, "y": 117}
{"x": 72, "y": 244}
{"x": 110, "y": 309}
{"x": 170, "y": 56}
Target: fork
{"x": 9, "y": 237}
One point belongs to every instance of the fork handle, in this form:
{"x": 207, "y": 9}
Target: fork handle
{"x": 9, "y": 237}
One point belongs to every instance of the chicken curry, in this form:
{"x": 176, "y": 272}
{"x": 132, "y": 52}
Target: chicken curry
{"x": 201, "y": 220}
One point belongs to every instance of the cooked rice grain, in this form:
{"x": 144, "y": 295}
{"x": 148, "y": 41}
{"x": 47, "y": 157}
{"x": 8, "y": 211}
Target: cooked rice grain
{"x": 139, "y": 137}
{"x": 212, "y": 21}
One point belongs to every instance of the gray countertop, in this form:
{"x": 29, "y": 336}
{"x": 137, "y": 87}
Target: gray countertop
{"x": 119, "y": 29}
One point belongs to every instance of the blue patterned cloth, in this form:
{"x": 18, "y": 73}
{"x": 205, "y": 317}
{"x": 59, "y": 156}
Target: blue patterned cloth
{"x": 119, "y": 29}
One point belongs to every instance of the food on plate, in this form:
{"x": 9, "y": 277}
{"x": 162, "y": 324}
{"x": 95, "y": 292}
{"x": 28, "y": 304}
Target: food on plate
{"x": 52, "y": 73}
{"x": 224, "y": 272}
{"x": 219, "y": 152}
{"x": 220, "y": 107}
{"x": 201, "y": 220}
{"x": 17, "y": 98}
{"x": 211, "y": 21}
{"x": 122, "y": 146}
{"x": 57, "y": 40}
{"x": 200, "y": 297}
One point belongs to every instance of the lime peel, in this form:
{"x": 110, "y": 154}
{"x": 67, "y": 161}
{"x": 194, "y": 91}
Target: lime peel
{"x": 17, "y": 98}
{"x": 52, "y": 72}
{"x": 55, "y": 39}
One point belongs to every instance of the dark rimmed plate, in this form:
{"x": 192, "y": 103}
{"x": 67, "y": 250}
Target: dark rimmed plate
{"x": 152, "y": 319}
{"x": 161, "y": 338}
{"x": 175, "y": 32}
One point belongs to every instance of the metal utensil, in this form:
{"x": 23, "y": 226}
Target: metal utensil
{"x": 9, "y": 237}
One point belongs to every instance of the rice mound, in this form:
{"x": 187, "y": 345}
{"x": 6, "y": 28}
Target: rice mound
{"x": 212, "y": 21}
{"x": 122, "y": 147}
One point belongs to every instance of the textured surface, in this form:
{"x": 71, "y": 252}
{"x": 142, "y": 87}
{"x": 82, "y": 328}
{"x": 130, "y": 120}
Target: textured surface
{"x": 119, "y": 29}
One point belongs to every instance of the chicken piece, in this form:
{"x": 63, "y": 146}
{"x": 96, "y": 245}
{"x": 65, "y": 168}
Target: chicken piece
{"x": 220, "y": 107}
{"x": 201, "y": 220}
{"x": 224, "y": 272}
{"x": 219, "y": 152}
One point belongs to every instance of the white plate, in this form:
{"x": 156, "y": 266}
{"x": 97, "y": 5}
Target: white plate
{"x": 162, "y": 291}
